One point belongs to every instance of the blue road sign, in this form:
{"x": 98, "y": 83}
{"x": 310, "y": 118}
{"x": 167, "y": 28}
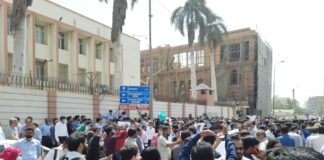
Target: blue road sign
{"x": 135, "y": 95}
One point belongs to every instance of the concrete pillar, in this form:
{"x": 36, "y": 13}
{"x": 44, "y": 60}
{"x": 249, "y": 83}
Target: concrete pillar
{"x": 196, "y": 110}
{"x": 30, "y": 67}
{"x": 51, "y": 104}
{"x": 183, "y": 109}
{"x": 74, "y": 57}
{"x": 222, "y": 111}
{"x": 169, "y": 109}
{"x": 3, "y": 39}
{"x": 205, "y": 109}
{"x": 96, "y": 106}
{"x": 53, "y": 67}
{"x": 105, "y": 62}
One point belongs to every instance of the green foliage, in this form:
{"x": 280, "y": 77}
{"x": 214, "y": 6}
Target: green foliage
{"x": 289, "y": 103}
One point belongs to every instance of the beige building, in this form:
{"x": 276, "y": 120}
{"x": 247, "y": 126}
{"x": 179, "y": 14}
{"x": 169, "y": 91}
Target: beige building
{"x": 79, "y": 48}
{"x": 316, "y": 105}
{"x": 243, "y": 66}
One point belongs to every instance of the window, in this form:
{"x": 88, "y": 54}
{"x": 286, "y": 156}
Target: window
{"x": 111, "y": 55}
{"x": 235, "y": 52}
{"x": 62, "y": 41}
{"x": 111, "y": 82}
{"x": 10, "y": 33}
{"x": 183, "y": 59}
{"x": 246, "y": 50}
{"x": 200, "y": 81}
{"x": 82, "y": 76}
{"x": 223, "y": 49}
{"x": 98, "y": 50}
{"x": 98, "y": 78}
{"x": 200, "y": 56}
{"x": 82, "y": 47}
{"x": 40, "y": 34}
{"x": 38, "y": 69}
{"x": 234, "y": 77}
{"x": 63, "y": 73}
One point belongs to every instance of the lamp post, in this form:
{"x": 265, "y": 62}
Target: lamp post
{"x": 274, "y": 85}
{"x": 43, "y": 63}
{"x": 293, "y": 92}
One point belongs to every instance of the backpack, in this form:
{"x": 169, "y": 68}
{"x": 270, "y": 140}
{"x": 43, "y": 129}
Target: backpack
{"x": 66, "y": 158}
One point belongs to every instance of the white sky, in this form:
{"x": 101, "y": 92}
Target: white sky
{"x": 294, "y": 29}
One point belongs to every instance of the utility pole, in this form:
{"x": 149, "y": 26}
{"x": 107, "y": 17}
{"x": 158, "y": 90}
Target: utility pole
{"x": 151, "y": 60}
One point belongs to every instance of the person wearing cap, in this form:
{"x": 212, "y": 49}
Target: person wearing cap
{"x": 30, "y": 148}
{"x": 10, "y": 153}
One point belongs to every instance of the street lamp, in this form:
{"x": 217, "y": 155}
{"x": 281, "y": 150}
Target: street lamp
{"x": 43, "y": 71}
{"x": 274, "y": 85}
{"x": 293, "y": 92}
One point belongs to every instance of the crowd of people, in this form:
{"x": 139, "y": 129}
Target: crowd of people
{"x": 117, "y": 137}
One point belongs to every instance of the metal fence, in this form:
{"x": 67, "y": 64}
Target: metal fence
{"x": 52, "y": 84}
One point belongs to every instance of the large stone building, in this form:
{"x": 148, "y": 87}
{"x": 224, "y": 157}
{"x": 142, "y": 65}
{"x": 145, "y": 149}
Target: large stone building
{"x": 316, "y": 105}
{"x": 79, "y": 48}
{"x": 243, "y": 66}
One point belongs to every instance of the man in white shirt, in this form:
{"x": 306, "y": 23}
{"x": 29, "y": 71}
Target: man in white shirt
{"x": 261, "y": 136}
{"x": 142, "y": 135}
{"x": 298, "y": 138}
{"x": 316, "y": 141}
{"x": 61, "y": 132}
{"x": 164, "y": 145}
{"x": 150, "y": 131}
{"x": 269, "y": 132}
{"x": 2, "y": 134}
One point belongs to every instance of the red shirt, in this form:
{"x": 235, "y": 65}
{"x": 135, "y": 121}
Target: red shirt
{"x": 120, "y": 142}
{"x": 154, "y": 140}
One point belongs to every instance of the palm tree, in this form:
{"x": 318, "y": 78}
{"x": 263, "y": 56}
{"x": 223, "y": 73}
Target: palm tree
{"x": 193, "y": 16}
{"x": 119, "y": 16}
{"x": 215, "y": 30}
{"x": 18, "y": 26}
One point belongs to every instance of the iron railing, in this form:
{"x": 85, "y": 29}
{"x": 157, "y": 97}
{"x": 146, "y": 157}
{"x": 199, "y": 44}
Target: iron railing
{"x": 52, "y": 84}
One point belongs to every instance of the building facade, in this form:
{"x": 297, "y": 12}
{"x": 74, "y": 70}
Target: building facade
{"x": 243, "y": 66}
{"x": 78, "y": 49}
{"x": 316, "y": 105}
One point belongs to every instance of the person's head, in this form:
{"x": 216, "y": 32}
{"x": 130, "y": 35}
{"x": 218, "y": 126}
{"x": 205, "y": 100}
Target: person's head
{"x": 18, "y": 119}
{"x": 150, "y": 124}
{"x": 35, "y": 125}
{"x": 184, "y": 135}
{"x": 261, "y": 135}
{"x": 28, "y": 121}
{"x": 76, "y": 118}
{"x": 139, "y": 131}
{"x": 83, "y": 117}
{"x": 166, "y": 131}
{"x": 98, "y": 120}
{"x": 294, "y": 129}
{"x": 238, "y": 147}
{"x": 10, "y": 153}
{"x": 321, "y": 130}
{"x": 283, "y": 153}
{"x": 284, "y": 130}
{"x": 55, "y": 120}
{"x": 63, "y": 119}
{"x": 47, "y": 121}
{"x": 132, "y": 133}
{"x": 110, "y": 111}
{"x": 109, "y": 130}
{"x": 249, "y": 142}
{"x": 76, "y": 142}
{"x": 29, "y": 133}
{"x": 150, "y": 154}
{"x": 69, "y": 119}
{"x": 128, "y": 153}
{"x": 13, "y": 122}
{"x": 202, "y": 151}
{"x": 274, "y": 143}
{"x": 192, "y": 130}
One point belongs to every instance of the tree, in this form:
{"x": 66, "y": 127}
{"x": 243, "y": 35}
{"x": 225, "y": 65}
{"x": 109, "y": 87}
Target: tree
{"x": 214, "y": 35}
{"x": 192, "y": 16}
{"x": 18, "y": 26}
{"x": 119, "y": 16}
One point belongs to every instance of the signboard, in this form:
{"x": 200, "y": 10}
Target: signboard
{"x": 135, "y": 97}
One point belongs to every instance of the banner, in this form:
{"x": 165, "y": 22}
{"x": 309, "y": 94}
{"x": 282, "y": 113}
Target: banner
{"x": 134, "y": 107}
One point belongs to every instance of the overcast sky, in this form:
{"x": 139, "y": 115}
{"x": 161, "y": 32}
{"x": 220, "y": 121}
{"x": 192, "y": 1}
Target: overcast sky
{"x": 294, "y": 29}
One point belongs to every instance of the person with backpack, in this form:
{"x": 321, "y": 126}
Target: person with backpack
{"x": 57, "y": 152}
{"x": 76, "y": 144}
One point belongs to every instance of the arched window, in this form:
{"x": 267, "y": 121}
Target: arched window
{"x": 234, "y": 77}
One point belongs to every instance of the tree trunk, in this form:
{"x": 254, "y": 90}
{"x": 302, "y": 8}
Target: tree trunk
{"x": 193, "y": 75}
{"x": 213, "y": 73}
{"x": 19, "y": 52}
{"x": 117, "y": 58}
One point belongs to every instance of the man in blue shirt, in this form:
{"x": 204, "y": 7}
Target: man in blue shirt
{"x": 45, "y": 130}
{"x": 30, "y": 148}
{"x": 285, "y": 139}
